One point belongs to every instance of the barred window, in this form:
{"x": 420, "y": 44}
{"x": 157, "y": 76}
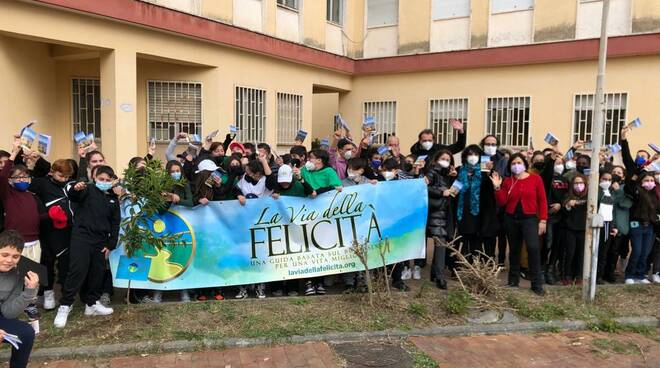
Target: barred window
{"x": 507, "y": 118}
{"x": 250, "y": 113}
{"x": 615, "y": 117}
{"x": 86, "y": 106}
{"x": 174, "y": 107}
{"x": 384, "y": 112}
{"x": 289, "y": 117}
{"x": 441, "y": 112}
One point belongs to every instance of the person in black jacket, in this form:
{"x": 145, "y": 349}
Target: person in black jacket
{"x": 575, "y": 215}
{"x": 556, "y": 187}
{"x": 643, "y": 218}
{"x": 95, "y": 233}
{"x": 426, "y": 145}
{"x": 440, "y": 223}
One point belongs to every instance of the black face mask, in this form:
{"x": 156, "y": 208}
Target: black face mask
{"x": 581, "y": 169}
{"x": 236, "y": 170}
{"x": 408, "y": 167}
{"x": 616, "y": 178}
{"x": 539, "y": 166}
{"x": 295, "y": 162}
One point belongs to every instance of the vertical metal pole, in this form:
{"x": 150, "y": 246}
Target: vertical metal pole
{"x": 591, "y": 233}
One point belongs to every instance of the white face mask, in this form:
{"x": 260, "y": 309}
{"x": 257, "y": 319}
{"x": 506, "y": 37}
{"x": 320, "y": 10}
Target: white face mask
{"x": 443, "y": 163}
{"x": 570, "y": 165}
{"x": 388, "y": 175}
{"x": 559, "y": 169}
{"x": 605, "y": 185}
{"x": 490, "y": 150}
{"x": 427, "y": 145}
{"x": 353, "y": 175}
{"x": 309, "y": 165}
{"x": 348, "y": 155}
{"x": 473, "y": 160}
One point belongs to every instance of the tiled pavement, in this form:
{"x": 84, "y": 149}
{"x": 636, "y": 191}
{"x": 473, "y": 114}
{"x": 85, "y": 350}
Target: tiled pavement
{"x": 556, "y": 350}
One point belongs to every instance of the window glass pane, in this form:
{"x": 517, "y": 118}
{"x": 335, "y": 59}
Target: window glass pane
{"x": 382, "y": 12}
{"x": 450, "y": 8}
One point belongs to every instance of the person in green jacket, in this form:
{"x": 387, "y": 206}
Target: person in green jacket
{"x": 318, "y": 173}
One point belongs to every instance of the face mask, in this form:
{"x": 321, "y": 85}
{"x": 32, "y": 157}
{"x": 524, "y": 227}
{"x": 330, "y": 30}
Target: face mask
{"x": 582, "y": 169}
{"x": 616, "y": 178}
{"x": 375, "y": 164}
{"x": 21, "y": 186}
{"x": 579, "y": 187}
{"x": 648, "y": 185}
{"x": 639, "y": 161}
{"x": 236, "y": 170}
{"x": 472, "y": 160}
{"x": 570, "y": 165}
{"x": 605, "y": 185}
{"x": 517, "y": 169}
{"x": 103, "y": 186}
{"x": 176, "y": 175}
{"x": 388, "y": 175}
{"x": 309, "y": 165}
{"x": 353, "y": 175}
{"x": 348, "y": 155}
{"x": 539, "y": 165}
{"x": 443, "y": 164}
{"x": 427, "y": 145}
{"x": 490, "y": 150}
{"x": 559, "y": 169}
{"x": 408, "y": 167}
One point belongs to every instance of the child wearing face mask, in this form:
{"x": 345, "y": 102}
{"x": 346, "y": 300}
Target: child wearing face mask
{"x": 575, "y": 217}
{"x": 643, "y": 220}
{"x": 556, "y": 188}
{"x": 610, "y": 198}
{"x": 95, "y": 233}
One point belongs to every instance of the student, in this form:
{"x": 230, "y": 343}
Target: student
{"x": 556, "y": 187}
{"x": 643, "y": 219}
{"x": 55, "y": 236}
{"x": 4, "y": 157}
{"x": 609, "y": 198}
{"x": 16, "y": 293}
{"x": 298, "y": 156}
{"x": 95, "y": 233}
{"x": 575, "y": 217}
{"x": 440, "y": 223}
{"x": 523, "y": 197}
{"x": 257, "y": 182}
{"x": 341, "y": 150}
{"x": 88, "y": 161}
{"x": 619, "y": 247}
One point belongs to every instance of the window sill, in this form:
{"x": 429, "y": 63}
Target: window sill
{"x": 288, "y": 8}
{"x": 383, "y": 26}
{"x": 510, "y": 11}
{"x": 451, "y": 18}
{"x": 334, "y": 23}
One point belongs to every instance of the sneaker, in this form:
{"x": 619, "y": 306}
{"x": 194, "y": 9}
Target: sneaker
{"x": 292, "y": 293}
{"x": 105, "y": 299}
{"x": 62, "y": 315}
{"x": 158, "y": 296}
{"x": 32, "y": 312}
{"x": 406, "y": 274}
{"x": 417, "y": 273}
{"x": 145, "y": 300}
{"x": 261, "y": 291}
{"x": 656, "y": 278}
{"x": 630, "y": 281}
{"x": 97, "y": 309}
{"x": 278, "y": 293}
{"x": 320, "y": 290}
{"x": 49, "y": 299}
{"x": 242, "y": 293}
{"x": 644, "y": 281}
{"x": 309, "y": 288}
{"x": 185, "y": 296}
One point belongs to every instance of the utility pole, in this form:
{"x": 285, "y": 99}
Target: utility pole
{"x": 594, "y": 220}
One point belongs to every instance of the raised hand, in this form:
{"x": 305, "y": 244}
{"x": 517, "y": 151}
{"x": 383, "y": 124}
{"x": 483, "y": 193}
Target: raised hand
{"x": 496, "y": 179}
{"x": 456, "y": 124}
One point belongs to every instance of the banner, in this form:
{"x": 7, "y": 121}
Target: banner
{"x": 288, "y": 238}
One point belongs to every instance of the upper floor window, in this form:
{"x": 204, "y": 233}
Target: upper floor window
{"x": 291, "y": 4}
{"x": 503, "y": 6}
{"x": 335, "y": 11}
{"x": 446, "y": 9}
{"x": 382, "y": 13}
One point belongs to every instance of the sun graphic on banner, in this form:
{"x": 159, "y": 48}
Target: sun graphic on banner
{"x": 173, "y": 260}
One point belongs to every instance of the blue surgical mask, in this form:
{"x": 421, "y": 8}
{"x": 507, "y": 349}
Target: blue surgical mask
{"x": 639, "y": 161}
{"x": 375, "y": 163}
{"x": 176, "y": 175}
{"x": 103, "y": 186}
{"x": 21, "y": 186}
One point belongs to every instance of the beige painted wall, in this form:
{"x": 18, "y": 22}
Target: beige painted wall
{"x": 313, "y": 17}
{"x": 414, "y": 26}
{"x": 326, "y": 105}
{"x": 551, "y": 87}
{"x": 479, "y": 14}
{"x": 220, "y": 10}
{"x": 554, "y": 20}
{"x": 646, "y": 16}
{"x": 354, "y": 27}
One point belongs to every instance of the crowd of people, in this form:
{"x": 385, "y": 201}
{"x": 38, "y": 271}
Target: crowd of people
{"x": 66, "y": 214}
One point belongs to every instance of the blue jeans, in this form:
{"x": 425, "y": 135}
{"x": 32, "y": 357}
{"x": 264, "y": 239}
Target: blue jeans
{"x": 25, "y": 332}
{"x": 641, "y": 239}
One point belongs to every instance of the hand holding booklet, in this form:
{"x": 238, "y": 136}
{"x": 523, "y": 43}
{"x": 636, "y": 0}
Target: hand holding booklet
{"x": 13, "y": 340}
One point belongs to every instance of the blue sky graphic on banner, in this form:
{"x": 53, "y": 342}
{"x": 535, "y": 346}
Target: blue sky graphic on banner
{"x": 266, "y": 240}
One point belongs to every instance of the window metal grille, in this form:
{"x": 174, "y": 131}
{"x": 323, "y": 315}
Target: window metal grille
{"x": 289, "y": 117}
{"x": 174, "y": 107}
{"x": 86, "y": 106}
{"x": 384, "y": 112}
{"x": 443, "y": 110}
{"x": 250, "y": 113}
{"x": 508, "y": 119}
{"x": 615, "y": 117}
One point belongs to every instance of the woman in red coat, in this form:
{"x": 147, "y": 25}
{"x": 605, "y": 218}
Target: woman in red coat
{"x": 526, "y": 210}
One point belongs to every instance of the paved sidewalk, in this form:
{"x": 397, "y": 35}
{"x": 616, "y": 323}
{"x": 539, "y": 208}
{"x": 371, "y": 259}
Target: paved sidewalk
{"x": 316, "y": 355}
{"x": 556, "y": 350}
